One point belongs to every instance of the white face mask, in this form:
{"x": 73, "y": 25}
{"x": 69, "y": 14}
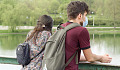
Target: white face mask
{"x": 85, "y": 22}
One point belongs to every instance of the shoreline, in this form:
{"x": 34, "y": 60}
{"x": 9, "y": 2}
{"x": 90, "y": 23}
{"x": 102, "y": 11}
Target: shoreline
{"x": 26, "y": 29}
{"x": 32, "y": 27}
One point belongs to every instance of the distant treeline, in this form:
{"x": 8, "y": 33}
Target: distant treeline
{"x": 26, "y": 12}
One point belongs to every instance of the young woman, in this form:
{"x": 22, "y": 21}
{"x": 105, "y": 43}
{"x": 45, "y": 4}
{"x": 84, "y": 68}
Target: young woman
{"x": 37, "y": 39}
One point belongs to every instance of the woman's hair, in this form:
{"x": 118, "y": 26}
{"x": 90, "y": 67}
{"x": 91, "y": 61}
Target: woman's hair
{"x": 75, "y": 8}
{"x": 44, "y": 22}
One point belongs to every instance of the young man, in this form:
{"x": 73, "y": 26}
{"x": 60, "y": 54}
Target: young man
{"x": 79, "y": 36}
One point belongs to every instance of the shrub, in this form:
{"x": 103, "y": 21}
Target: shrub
{"x": 103, "y": 22}
{"x": 58, "y": 20}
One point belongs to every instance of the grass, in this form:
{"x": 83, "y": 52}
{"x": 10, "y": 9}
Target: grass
{"x": 20, "y": 31}
{"x": 94, "y": 26}
{"x": 104, "y": 31}
{"x": 98, "y": 26}
{"x": 16, "y": 31}
{"x": 90, "y": 30}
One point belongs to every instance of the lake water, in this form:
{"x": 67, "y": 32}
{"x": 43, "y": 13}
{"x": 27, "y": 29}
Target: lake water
{"x": 101, "y": 43}
{"x": 107, "y": 44}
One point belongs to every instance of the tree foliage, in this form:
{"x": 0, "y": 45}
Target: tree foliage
{"x": 26, "y": 12}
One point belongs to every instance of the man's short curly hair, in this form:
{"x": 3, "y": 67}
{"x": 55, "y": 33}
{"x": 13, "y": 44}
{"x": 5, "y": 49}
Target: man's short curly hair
{"x": 75, "y": 8}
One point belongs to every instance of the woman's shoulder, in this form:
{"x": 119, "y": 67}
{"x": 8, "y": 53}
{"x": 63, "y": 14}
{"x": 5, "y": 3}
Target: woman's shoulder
{"x": 29, "y": 33}
{"x": 45, "y": 33}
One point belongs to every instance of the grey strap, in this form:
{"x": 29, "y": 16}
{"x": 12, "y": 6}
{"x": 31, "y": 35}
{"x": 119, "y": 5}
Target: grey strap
{"x": 39, "y": 52}
{"x": 72, "y": 58}
{"x": 77, "y": 58}
{"x": 59, "y": 26}
{"x": 70, "y": 26}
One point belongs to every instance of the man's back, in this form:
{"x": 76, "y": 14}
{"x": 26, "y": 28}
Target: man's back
{"x": 79, "y": 36}
{"x": 74, "y": 40}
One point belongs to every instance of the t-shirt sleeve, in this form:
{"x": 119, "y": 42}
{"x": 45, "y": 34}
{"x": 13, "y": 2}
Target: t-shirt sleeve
{"x": 84, "y": 39}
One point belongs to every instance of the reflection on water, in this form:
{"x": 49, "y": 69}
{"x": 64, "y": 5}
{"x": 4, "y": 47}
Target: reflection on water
{"x": 106, "y": 44}
{"x": 100, "y": 44}
{"x": 8, "y": 44}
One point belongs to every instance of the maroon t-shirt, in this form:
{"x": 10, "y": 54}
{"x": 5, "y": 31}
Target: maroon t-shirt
{"x": 75, "y": 38}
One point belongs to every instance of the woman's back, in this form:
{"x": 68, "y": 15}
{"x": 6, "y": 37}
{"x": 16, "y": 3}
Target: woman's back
{"x": 35, "y": 48}
{"x": 37, "y": 39}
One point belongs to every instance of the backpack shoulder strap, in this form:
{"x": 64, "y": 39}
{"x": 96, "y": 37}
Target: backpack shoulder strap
{"x": 70, "y": 26}
{"x": 39, "y": 52}
{"x": 76, "y": 53}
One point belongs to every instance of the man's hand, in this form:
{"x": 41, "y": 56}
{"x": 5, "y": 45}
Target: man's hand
{"x": 105, "y": 59}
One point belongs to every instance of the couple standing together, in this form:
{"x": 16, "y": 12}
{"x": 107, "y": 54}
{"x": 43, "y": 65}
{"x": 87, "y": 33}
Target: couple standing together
{"x": 75, "y": 38}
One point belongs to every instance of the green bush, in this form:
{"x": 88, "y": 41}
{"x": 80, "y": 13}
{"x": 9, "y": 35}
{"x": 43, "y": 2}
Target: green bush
{"x": 101, "y": 22}
{"x": 58, "y": 20}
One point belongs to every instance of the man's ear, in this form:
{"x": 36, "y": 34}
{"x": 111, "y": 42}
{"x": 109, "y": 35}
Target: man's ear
{"x": 80, "y": 16}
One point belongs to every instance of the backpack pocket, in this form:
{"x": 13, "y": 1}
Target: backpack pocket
{"x": 48, "y": 64}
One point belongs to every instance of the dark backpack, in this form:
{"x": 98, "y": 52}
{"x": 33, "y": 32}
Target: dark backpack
{"x": 54, "y": 54}
{"x": 23, "y": 54}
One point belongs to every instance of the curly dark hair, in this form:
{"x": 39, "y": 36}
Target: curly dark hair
{"x": 75, "y": 8}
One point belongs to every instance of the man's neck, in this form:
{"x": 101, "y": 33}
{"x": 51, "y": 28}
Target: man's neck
{"x": 74, "y": 21}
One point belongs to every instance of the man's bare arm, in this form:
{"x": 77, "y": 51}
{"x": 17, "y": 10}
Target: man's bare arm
{"x": 89, "y": 56}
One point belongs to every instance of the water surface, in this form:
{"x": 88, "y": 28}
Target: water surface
{"x": 101, "y": 43}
